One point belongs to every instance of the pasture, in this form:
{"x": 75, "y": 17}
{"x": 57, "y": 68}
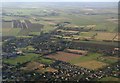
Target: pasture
{"x": 108, "y": 59}
{"x": 21, "y": 59}
{"x": 44, "y": 60}
{"x": 89, "y": 57}
{"x": 110, "y": 79}
{"x": 26, "y": 58}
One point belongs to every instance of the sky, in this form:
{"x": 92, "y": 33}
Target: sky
{"x": 59, "y": 0}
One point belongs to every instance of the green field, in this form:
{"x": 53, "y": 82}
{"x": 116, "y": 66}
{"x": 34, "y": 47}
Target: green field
{"x": 26, "y": 58}
{"x": 110, "y": 79}
{"x": 90, "y": 56}
{"x": 45, "y": 16}
{"x": 34, "y": 33}
{"x": 27, "y": 49}
{"x": 108, "y": 59}
{"x": 24, "y": 36}
{"x": 21, "y": 59}
{"x": 10, "y": 31}
{"x": 87, "y": 34}
{"x": 44, "y": 60}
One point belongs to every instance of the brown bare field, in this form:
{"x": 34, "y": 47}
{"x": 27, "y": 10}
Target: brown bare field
{"x": 117, "y": 38}
{"x": 48, "y": 69}
{"x": 63, "y": 56}
{"x": 105, "y": 36}
{"x": 36, "y": 66}
{"x": 82, "y": 52}
{"x": 71, "y": 25}
{"x": 93, "y": 64}
{"x": 69, "y": 31}
{"x": 33, "y": 65}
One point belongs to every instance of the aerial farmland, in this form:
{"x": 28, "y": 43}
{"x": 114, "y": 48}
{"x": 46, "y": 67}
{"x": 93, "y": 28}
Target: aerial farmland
{"x": 56, "y": 42}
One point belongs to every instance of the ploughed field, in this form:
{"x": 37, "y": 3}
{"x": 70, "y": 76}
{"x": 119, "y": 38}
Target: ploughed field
{"x": 63, "y": 56}
{"x": 93, "y": 61}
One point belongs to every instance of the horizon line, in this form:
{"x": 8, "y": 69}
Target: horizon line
{"x": 57, "y": 1}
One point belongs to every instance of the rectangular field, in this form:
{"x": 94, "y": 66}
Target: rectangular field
{"x": 38, "y": 67}
{"x": 63, "y": 56}
{"x": 105, "y": 36}
{"x": 93, "y": 64}
{"x": 89, "y": 61}
{"x": 110, "y": 79}
{"x": 21, "y": 59}
{"x": 108, "y": 59}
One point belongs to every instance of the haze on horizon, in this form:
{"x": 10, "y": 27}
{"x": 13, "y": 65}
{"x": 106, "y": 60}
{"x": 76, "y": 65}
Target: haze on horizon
{"x": 60, "y": 1}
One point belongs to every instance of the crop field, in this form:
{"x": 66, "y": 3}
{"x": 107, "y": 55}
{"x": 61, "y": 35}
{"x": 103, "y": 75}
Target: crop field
{"x": 93, "y": 64}
{"x": 23, "y": 36}
{"x": 63, "y": 56}
{"x": 89, "y": 57}
{"x": 87, "y": 34}
{"x": 10, "y": 31}
{"x": 105, "y": 36}
{"x": 5, "y": 30}
{"x": 27, "y": 49}
{"x": 98, "y": 20}
{"x": 57, "y": 19}
{"x": 117, "y": 37}
{"x": 20, "y": 28}
{"x": 81, "y": 52}
{"x": 38, "y": 67}
{"x": 26, "y": 58}
{"x": 50, "y": 17}
{"x": 62, "y": 41}
{"x": 44, "y": 60}
{"x": 48, "y": 25}
{"x": 108, "y": 59}
{"x": 34, "y": 33}
{"x": 89, "y": 61}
